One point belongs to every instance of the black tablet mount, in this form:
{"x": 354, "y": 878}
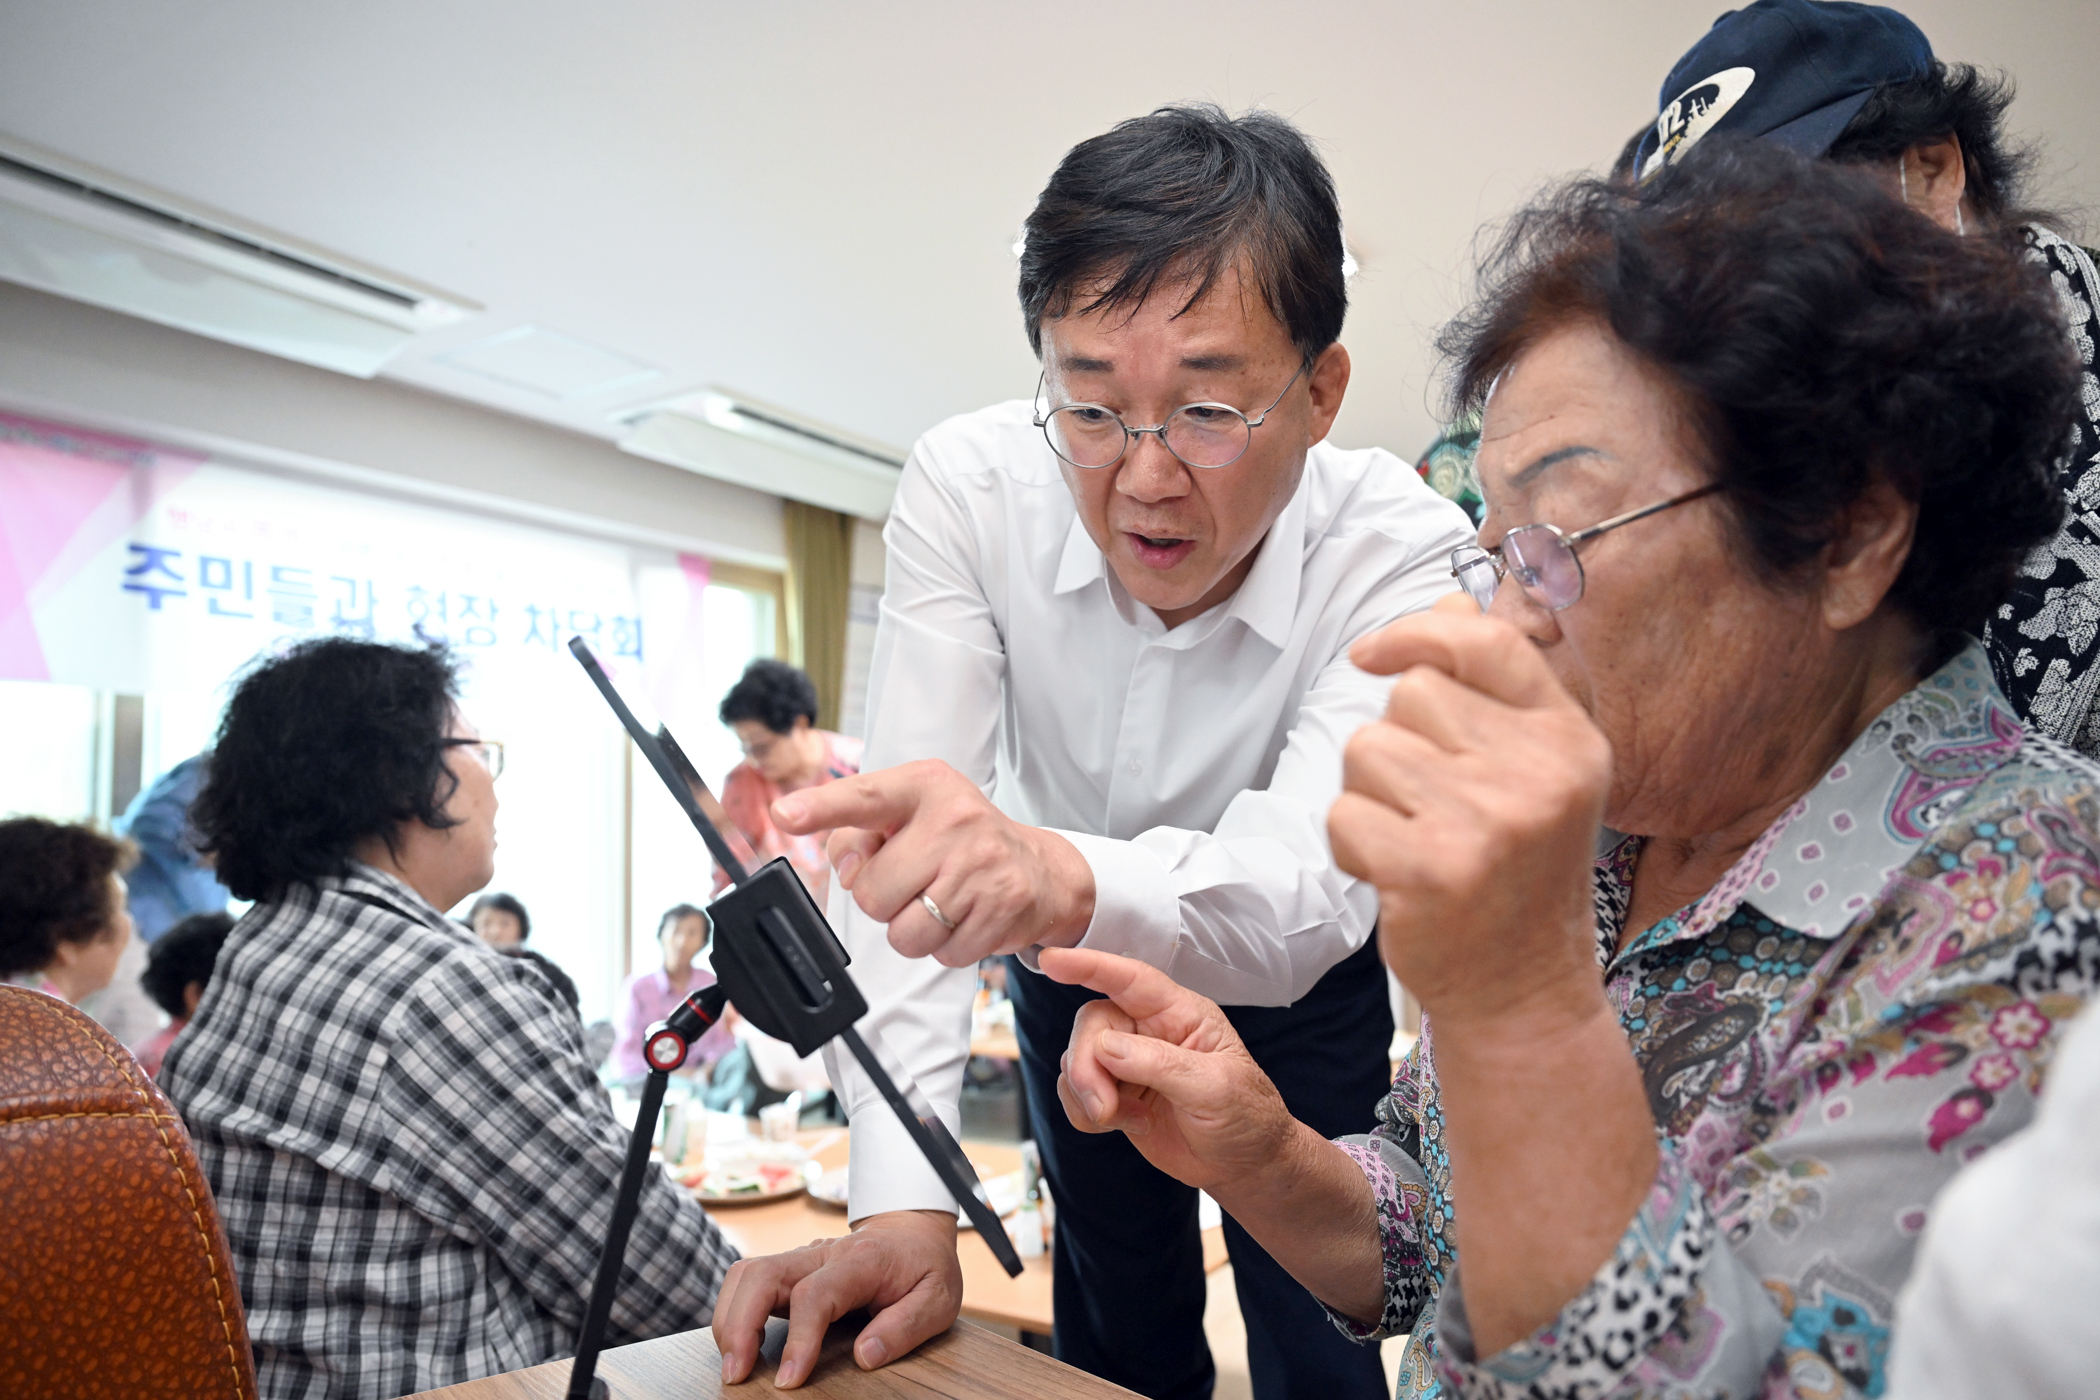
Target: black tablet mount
{"x": 778, "y": 961}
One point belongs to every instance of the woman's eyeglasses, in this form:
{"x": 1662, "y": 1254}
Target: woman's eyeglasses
{"x": 489, "y": 751}
{"x": 1543, "y": 559}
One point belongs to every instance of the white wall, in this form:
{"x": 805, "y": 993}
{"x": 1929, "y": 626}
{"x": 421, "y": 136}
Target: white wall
{"x": 95, "y": 368}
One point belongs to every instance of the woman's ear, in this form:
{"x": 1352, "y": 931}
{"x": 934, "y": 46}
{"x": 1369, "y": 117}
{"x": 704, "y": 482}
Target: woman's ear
{"x": 1862, "y": 562}
{"x": 1933, "y": 178}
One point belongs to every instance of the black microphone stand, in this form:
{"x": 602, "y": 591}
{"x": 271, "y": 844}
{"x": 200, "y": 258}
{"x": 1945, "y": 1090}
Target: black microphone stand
{"x": 665, "y": 1050}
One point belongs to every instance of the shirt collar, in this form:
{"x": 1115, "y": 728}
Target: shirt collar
{"x": 377, "y": 884}
{"x": 1266, "y": 600}
{"x": 1822, "y": 863}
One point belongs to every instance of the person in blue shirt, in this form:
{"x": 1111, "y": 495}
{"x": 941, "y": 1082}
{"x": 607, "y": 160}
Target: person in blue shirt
{"x": 170, "y": 882}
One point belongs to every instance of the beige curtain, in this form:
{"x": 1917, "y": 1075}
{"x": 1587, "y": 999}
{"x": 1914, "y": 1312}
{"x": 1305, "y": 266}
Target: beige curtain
{"x": 819, "y": 593}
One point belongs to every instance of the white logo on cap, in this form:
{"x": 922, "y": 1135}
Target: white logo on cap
{"x": 1694, "y": 113}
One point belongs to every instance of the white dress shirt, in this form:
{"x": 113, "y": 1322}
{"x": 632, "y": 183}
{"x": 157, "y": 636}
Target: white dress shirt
{"x": 1192, "y": 768}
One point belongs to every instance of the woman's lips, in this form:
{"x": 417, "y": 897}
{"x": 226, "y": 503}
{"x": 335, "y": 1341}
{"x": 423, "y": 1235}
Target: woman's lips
{"x": 1155, "y": 552}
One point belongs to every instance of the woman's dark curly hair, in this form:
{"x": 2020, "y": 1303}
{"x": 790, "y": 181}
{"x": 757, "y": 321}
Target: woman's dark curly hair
{"x": 1819, "y": 336}
{"x": 54, "y": 888}
{"x": 773, "y": 693}
{"x": 335, "y": 741}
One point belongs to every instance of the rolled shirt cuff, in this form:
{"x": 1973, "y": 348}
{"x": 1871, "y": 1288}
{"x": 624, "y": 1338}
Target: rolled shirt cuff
{"x": 887, "y": 1171}
{"x": 1136, "y": 912}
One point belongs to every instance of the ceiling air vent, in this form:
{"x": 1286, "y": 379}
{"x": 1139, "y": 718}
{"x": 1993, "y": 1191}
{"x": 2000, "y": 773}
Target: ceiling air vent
{"x": 75, "y": 232}
{"x": 769, "y": 449}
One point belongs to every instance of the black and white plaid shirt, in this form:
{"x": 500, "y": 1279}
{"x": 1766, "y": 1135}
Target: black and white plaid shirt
{"x": 414, "y": 1162}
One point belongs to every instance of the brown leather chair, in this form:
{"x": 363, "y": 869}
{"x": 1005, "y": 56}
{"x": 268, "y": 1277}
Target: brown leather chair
{"x": 114, "y": 1275}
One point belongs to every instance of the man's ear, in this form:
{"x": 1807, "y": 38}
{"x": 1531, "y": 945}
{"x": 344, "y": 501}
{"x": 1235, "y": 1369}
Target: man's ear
{"x": 1862, "y": 561}
{"x": 1326, "y": 384}
{"x": 1934, "y": 179}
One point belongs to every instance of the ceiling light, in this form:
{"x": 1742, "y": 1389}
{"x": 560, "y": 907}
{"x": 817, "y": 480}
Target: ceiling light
{"x": 741, "y": 440}
{"x": 78, "y": 233}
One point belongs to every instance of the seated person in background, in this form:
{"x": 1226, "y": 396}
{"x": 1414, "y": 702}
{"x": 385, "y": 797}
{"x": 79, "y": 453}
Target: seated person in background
{"x": 169, "y": 883}
{"x": 652, "y": 994}
{"x": 414, "y": 1162}
{"x": 773, "y": 710}
{"x": 1858, "y": 896}
{"x": 64, "y": 920}
{"x": 500, "y": 921}
{"x": 178, "y": 969}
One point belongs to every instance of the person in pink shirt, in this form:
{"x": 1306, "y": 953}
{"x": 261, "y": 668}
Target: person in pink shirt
{"x": 64, "y": 915}
{"x": 652, "y": 994}
{"x": 773, "y": 710}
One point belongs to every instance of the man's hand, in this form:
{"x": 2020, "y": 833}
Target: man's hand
{"x": 1163, "y": 1065}
{"x": 924, "y": 829}
{"x": 901, "y": 1266}
{"x": 1473, "y": 807}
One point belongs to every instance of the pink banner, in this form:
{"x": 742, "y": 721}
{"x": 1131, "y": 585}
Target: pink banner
{"x": 65, "y": 496}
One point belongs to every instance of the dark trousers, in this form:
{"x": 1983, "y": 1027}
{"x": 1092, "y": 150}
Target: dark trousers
{"x": 1128, "y": 1280}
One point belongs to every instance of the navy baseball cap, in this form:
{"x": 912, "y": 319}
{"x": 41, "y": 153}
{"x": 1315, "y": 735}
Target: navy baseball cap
{"x": 1791, "y": 71}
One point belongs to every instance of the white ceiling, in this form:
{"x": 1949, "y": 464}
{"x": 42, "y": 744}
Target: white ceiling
{"x": 814, "y": 203}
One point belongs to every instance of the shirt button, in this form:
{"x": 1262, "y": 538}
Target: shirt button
{"x": 1136, "y": 767}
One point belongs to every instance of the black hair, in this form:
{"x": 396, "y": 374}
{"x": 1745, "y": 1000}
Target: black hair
{"x": 333, "y": 742}
{"x": 1952, "y": 99}
{"x": 509, "y": 904}
{"x": 681, "y": 911}
{"x": 564, "y": 984}
{"x": 54, "y": 888}
{"x": 1627, "y": 164}
{"x": 773, "y": 693}
{"x": 182, "y": 955}
{"x": 1187, "y": 193}
{"x": 1818, "y": 336}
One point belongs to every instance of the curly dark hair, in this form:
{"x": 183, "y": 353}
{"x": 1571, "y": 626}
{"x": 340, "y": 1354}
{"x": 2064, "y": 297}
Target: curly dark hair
{"x": 184, "y": 954}
{"x": 54, "y": 888}
{"x": 331, "y": 743}
{"x": 1952, "y": 99}
{"x": 1819, "y": 336}
{"x": 773, "y": 693}
{"x": 1187, "y": 192}
{"x": 509, "y": 904}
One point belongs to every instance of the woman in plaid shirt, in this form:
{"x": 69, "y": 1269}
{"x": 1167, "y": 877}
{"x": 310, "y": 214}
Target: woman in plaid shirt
{"x": 414, "y": 1162}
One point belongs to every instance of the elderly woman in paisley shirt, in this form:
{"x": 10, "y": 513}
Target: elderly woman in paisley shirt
{"x": 1761, "y": 450}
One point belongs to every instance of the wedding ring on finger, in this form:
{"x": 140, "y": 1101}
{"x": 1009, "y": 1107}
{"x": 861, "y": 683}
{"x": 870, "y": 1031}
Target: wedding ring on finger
{"x": 938, "y": 917}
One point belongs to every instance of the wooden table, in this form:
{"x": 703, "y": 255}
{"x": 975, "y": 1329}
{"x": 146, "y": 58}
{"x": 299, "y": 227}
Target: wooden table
{"x": 988, "y": 1294}
{"x": 997, "y": 1044}
{"x": 964, "y": 1362}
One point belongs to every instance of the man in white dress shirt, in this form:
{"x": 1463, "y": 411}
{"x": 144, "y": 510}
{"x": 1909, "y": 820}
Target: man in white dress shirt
{"x": 1109, "y": 699}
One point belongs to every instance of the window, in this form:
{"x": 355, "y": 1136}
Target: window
{"x": 668, "y": 865}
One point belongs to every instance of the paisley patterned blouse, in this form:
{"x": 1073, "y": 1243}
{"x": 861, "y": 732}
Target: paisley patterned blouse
{"x": 1867, "y": 1000}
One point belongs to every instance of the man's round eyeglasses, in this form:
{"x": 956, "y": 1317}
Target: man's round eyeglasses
{"x": 1205, "y": 435}
{"x": 1543, "y": 559}
{"x": 489, "y": 751}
